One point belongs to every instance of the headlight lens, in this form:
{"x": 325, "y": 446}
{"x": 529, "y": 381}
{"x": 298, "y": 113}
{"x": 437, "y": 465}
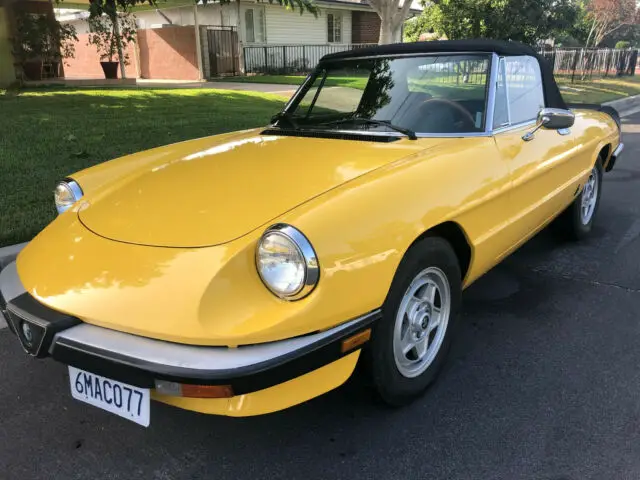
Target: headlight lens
{"x": 286, "y": 262}
{"x": 66, "y": 194}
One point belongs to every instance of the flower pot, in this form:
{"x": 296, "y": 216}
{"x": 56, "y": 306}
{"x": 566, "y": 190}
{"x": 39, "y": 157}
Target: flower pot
{"x": 110, "y": 69}
{"x": 32, "y": 69}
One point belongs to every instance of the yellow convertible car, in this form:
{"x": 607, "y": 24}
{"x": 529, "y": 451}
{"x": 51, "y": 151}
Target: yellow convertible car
{"x": 244, "y": 273}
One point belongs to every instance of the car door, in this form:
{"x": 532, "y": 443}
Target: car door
{"x": 543, "y": 169}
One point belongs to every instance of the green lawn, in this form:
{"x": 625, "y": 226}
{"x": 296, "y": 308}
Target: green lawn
{"x": 49, "y": 134}
{"x": 594, "y": 91}
{"x": 599, "y": 91}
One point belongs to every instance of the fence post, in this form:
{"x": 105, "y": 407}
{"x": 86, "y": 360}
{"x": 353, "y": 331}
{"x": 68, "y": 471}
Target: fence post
{"x": 304, "y": 57}
{"x": 266, "y": 61}
{"x": 284, "y": 59}
{"x": 244, "y": 59}
{"x": 575, "y": 64}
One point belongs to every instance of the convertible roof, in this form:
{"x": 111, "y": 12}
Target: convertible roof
{"x": 552, "y": 95}
{"x": 501, "y": 47}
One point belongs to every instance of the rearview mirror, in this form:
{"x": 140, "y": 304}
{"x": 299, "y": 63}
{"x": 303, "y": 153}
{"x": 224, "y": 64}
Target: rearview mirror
{"x": 552, "y": 119}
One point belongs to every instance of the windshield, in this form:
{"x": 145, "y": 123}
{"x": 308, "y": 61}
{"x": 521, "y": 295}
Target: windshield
{"x": 428, "y": 94}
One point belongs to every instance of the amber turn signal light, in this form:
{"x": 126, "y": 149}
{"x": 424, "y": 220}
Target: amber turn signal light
{"x": 356, "y": 340}
{"x": 173, "y": 389}
{"x": 207, "y": 391}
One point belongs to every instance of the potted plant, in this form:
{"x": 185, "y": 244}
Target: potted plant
{"x": 41, "y": 40}
{"x": 111, "y": 36}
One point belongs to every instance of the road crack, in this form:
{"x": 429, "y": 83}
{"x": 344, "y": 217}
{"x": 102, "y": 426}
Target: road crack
{"x": 594, "y": 283}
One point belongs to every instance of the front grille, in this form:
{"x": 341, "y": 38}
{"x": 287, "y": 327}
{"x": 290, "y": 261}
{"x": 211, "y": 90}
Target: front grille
{"x": 36, "y": 324}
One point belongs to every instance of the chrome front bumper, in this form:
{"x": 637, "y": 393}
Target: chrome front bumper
{"x": 144, "y": 361}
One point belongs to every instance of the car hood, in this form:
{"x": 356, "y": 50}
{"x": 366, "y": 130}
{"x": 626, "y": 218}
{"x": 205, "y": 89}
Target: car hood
{"x": 210, "y": 191}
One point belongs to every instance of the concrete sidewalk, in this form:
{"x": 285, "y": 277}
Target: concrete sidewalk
{"x": 240, "y": 86}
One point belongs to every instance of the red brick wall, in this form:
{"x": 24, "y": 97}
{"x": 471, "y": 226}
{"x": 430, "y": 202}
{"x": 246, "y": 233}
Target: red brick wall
{"x": 365, "y": 27}
{"x": 86, "y": 63}
{"x": 168, "y": 53}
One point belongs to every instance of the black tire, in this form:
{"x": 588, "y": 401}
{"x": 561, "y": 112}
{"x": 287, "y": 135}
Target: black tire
{"x": 393, "y": 387}
{"x": 571, "y": 222}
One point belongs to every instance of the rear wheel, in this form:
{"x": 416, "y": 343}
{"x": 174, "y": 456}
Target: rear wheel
{"x": 577, "y": 221}
{"x": 410, "y": 343}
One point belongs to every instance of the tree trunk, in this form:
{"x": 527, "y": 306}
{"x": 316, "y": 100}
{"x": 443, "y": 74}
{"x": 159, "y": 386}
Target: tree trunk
{"x": 391, "y": 18}
{"x": 593, "y": 27}
{"x": 386, "y": 32}
{"x": 116, "y": 32}
{"x": 239, "y": 36}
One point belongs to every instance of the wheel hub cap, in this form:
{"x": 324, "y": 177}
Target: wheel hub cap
{"x": 589, "y": 197}
{"x": 421, "y": 322}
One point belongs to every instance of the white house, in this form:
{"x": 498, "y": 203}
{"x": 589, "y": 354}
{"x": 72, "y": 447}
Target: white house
{"x": 259, "y": 36}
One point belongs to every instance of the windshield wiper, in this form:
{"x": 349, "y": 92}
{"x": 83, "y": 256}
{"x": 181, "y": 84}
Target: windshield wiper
{"x": 284, "y": 116}
{"x": 370, "y": 121}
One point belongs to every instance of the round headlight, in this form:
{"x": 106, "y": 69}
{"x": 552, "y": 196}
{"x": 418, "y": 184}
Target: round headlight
{"x": 66, "y": 194}
{"x": 286, "y": 262}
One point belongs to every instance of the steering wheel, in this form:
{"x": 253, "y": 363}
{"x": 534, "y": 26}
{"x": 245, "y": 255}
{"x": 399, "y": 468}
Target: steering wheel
{"x": 459, "y": 115}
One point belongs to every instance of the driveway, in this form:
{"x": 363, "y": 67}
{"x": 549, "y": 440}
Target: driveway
{"x": 543, "y": 383}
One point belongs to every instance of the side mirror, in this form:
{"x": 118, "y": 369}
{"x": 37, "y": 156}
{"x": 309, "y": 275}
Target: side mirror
{"x": 552, "y": 119}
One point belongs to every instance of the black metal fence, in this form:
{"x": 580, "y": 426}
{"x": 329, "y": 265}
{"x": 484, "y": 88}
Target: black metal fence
{"x": 576, "y": 63}
{"x": 289, "y": 59}
{"x": 587, "y": 63}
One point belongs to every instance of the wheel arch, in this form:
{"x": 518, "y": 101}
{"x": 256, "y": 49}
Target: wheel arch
{"x": 605, "y": 153}
{"x": 453, "y": 233}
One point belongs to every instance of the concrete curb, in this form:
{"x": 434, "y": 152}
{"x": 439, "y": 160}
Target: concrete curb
{"x": 8, "y": 254}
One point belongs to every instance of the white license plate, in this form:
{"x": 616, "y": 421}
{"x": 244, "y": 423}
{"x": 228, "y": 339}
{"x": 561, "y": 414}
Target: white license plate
{"x": 127, "y": 401}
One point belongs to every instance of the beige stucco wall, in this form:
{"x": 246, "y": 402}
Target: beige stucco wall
{"x": 7, "y": 72}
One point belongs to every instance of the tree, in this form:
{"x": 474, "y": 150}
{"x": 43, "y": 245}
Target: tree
{"x": 392, "y": 16}
{"x": 41, "y": 39}
{"x": 528, "y": 21}
{"x": 105, "y": 35}
{"x": 606, "y": 16}
{"x": 416, "y": 27}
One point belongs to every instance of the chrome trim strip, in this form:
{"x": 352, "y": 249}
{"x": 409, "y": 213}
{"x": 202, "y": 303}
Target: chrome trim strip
{"x": 312, "y": 270}
{"x": 506, "y": 89}
{"x": 514, "y": 127}
{"x": 110, "y": 343}
{"x": 618, "y": 150}
{"x": 10, "y": 284}
{"x": 492, "y": 86}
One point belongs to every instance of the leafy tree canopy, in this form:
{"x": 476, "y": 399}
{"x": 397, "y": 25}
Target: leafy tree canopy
{"x": 527, "y": 21}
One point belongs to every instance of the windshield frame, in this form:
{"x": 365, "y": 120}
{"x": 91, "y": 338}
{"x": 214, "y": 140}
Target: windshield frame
{"x": 492, "y": 73}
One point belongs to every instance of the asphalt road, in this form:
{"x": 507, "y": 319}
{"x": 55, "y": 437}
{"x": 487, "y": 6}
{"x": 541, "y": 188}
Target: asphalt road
{"x": 543, "y": 383}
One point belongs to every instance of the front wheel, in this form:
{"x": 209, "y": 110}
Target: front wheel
{"x": 410, "y": 343}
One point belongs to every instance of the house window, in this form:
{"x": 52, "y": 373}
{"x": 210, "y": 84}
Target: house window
{"x": 254, "y": 25}
{"x": 334, "y": 27}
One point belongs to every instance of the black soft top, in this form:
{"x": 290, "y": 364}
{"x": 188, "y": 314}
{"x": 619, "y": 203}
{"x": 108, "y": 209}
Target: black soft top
{"x": 552, "y": 95}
